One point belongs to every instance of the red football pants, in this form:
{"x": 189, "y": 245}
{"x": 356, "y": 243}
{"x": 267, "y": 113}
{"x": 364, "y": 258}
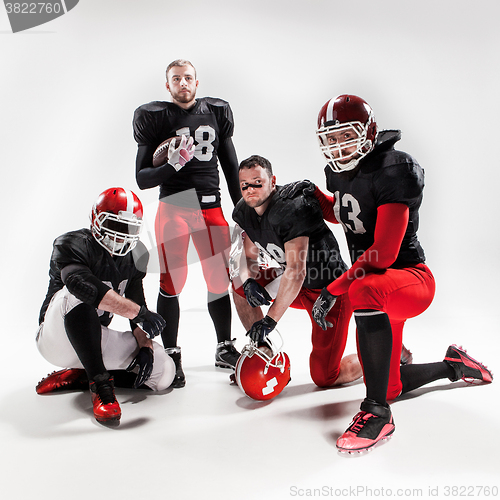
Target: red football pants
{"x": 327, "y": 346}
{"x": 174, "y": 226}
{"x": 401, "y": 294}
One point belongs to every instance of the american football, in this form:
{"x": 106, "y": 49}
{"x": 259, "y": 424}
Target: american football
{"x": 160, "y": 156}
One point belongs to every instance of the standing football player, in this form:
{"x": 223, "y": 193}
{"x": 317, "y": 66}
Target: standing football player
{"x": 190, "y": 205}
{"x": 293, "y": 233}
{"x": 377, "y": 192}
{"x": 95, "y": 273}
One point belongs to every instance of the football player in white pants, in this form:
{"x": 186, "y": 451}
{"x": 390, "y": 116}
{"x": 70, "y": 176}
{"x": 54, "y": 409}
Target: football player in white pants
{"x": 94, "y": 274}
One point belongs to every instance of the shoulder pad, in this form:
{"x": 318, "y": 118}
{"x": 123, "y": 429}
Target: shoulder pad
{"x": 387, "y": 138}
{"x": 215, "y": 101}
{"x": 145, "y": 122}
{"x": 152, "y": 107}
{"x": 239, "y": 213}
{"x": 140, "y": 255}
{"x": 299, "y": 216}
{"x": 400, "y": 179}
{"x": 74, "y": 244}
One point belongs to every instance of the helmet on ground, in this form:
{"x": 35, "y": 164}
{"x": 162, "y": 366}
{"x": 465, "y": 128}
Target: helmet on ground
{"x": 263, "y": 370}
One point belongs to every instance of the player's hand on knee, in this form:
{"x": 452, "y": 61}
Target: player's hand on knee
{"x": 151, "y": 323}
{"x": 255, "y": 293}
{"x": 261, "y": 329}
{"x": 322, "y": 307}
{"x": 144, "y": 361}
{"x": 296, "y": 188}
{"x": 178, "y": 157}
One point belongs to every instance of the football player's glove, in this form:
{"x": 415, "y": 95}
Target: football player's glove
{"x": 144, "y": 361}
{"x": 261, "y": 329}
{"x": 178, "y": 157}
{"x": 152, "y": 323}
{"x": 255, "y": 293}
{"x": 296, "y": 188}
{"x": 322, "y": 307}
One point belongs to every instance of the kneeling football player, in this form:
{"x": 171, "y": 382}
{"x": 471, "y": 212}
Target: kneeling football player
{"x": 294, "y": 234}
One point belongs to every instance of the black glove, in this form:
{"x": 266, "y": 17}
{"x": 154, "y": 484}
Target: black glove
{"x": 143, "y": 360}
{"x": 296, "y": 188}
{"x": 152, "y": 323}
{"x": 255, "y": 293}
{"x": 322, "y": 307}
{"x": 261, "y": 329}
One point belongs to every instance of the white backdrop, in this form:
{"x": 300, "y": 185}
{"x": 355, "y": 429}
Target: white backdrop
{"x": 69, "y": 89}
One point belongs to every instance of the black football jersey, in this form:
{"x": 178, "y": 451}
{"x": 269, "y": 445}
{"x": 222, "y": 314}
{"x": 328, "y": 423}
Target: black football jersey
{"x": 209, "y": 122}
{"x": 286, "y": 219}
{"x": 123, "y": 274}
{"x": 384, "y": 176}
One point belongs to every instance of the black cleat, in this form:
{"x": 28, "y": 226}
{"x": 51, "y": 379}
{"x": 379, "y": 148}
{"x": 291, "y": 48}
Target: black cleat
{"x": 406, "y": 356}
{"x": 179, "y": 379}
{"x": 226, "y": 354}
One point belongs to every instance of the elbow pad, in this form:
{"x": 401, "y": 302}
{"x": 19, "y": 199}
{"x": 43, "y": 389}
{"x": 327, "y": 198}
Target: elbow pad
{"x": 83, "y": 290}
{"x": 85, "y": 287}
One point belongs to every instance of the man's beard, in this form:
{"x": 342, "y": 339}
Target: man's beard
{"x": 184, "y": 96}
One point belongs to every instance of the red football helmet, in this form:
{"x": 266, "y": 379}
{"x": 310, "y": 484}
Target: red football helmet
{"x": 116, "y": 220}
{"x": 262, "y": 371}
{"x": 347, "y": 131}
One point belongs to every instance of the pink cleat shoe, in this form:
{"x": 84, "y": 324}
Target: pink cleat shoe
{"x": 466, "y": 367}
{"x": 372, "y": 424}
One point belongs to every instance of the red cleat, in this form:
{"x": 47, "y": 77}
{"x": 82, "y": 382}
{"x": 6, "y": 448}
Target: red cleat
{"x": 68, "y": 379}
{"x": 105, "y": 405}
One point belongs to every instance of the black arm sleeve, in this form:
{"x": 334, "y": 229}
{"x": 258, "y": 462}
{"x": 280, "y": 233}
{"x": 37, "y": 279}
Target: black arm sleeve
{"x": 229, "y": 164}
{"x": 146, "y": 175}
{"x": 135, "y": 292}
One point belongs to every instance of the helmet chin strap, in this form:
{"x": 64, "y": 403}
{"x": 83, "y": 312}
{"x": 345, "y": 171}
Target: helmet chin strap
{"x": 343, "y": 167}
{"x": 118, "y": 248}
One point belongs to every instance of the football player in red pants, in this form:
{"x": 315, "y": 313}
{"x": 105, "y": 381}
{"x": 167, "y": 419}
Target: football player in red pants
{"x": 190, "y": 205}
{"x": 377, "y": 192}
{"x": 293, "y": 234}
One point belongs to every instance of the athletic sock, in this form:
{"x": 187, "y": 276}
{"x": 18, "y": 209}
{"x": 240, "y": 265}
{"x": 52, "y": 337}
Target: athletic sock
{"x": 219, "y": 308}
{"x": 168, "y": 307}
{"x": 414, "y": 376}
{"x": 83, "y": 329}
{"x": 375, "y": 348}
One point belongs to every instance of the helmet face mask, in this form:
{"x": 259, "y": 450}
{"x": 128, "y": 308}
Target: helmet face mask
{"x": 351, "y": 118}
{"x": 116, "y": 220}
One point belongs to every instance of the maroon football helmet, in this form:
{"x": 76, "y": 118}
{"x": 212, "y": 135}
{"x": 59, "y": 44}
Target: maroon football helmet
{"x": 347, "y": 131}
{"x": 116, "y": 220}
{"x": 263, "y": 370}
